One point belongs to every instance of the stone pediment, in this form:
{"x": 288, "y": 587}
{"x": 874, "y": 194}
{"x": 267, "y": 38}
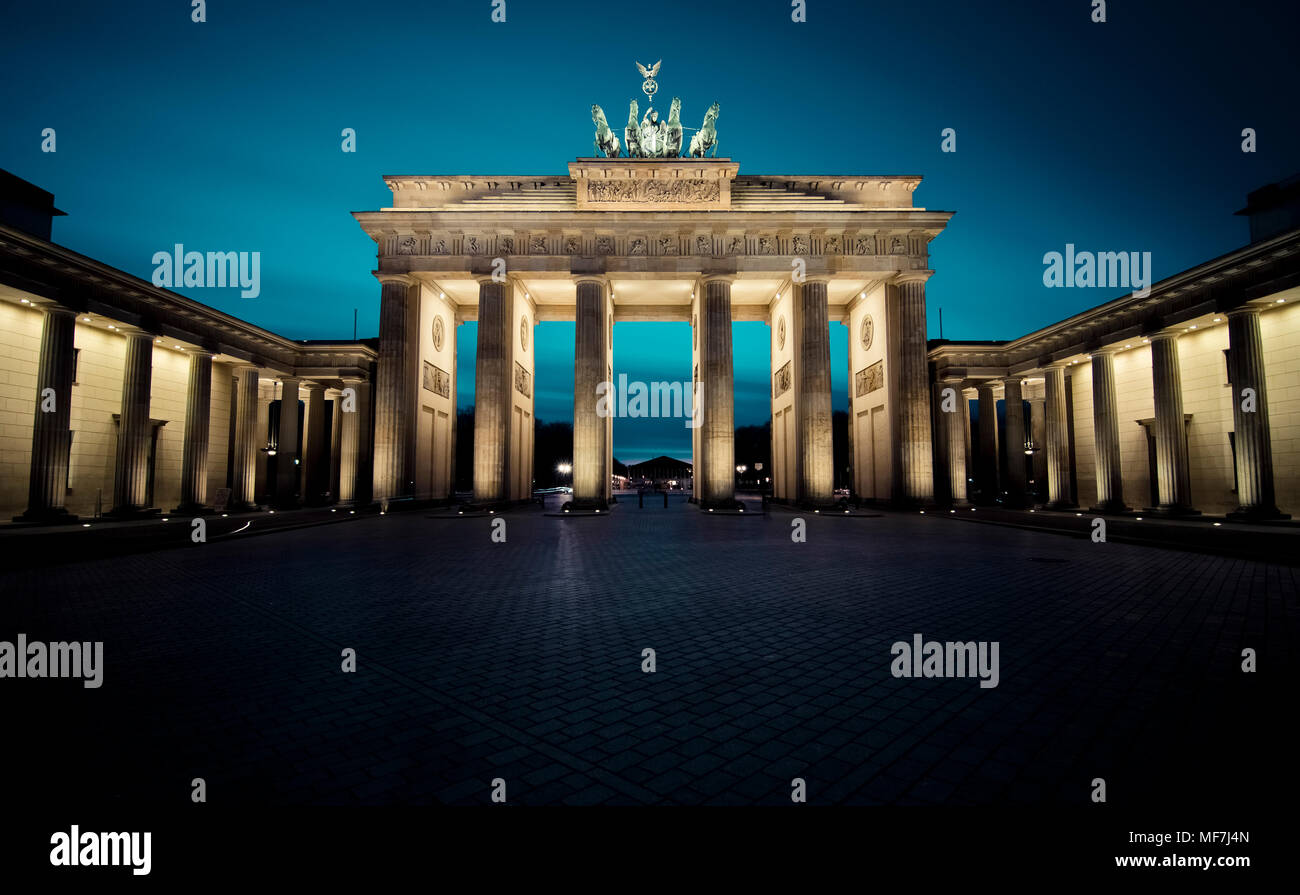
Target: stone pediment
{"x": 668, "y": 184}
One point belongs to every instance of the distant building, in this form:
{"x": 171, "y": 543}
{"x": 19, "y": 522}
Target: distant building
{"x": 661, "y": 473}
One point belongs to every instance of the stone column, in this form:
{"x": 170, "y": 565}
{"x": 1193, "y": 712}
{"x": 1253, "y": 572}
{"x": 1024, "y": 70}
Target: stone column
{"x": 248, "y": 440}
{"x": 988, "y": 465}
{"x": 353, "y": 409}
{"x": 396, "y": 382}
{"x": 1173, "y": 476}
{"x": 1013, "y": 442}
{"x": 1253, "y": 439}
{"x": 47, "y": 481}
{"x": 315, "y": 466}
{"x": 1059, "y": 495}
{"x": 131, "y": 474}
{"x": 717, "y": 378}
{"x": 590, "y": 477}
{"x": 492, "y": 387}
{"x": 286, "y": 445}
{"x": 1105, "y": 421}
{"x": 954, "y": 431}
{"x": 816, "y": 483}
{"x": 1038, "y": 433}
{"x": 912, "y": 439}
{"x": 198, "y": 412}
{"x": 334, "y": 397}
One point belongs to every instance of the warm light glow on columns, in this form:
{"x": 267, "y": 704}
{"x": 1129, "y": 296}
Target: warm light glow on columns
{"x": 247, "y": 439}
{"x": 717, "y": 470}
{"x": 51, "y": 435}
{"x": 286, "y": 445}
{"x": 816, "y": 464}
{"x": 1105, "y": 420}
{"x": 396, "y": 379}
{"x": 1253, "y": 439}
{"x": 905, "y": 304}
{"x": 352, "y": 439}
{"x": 315, "y": 470}
{"x": 1013, "y": 441}
{"x": 1059, "y": 494}
{"x": 590, "y": 430}
{"x": 988, "y": 465}
{"x": 1173, "y": 478}
{"x": 198, "y": 410}
{"x": 954, "y": 433}
{"x": 333, "y": 396}
{"x": 491, "y": 392}
{"x": 131, "y": 473}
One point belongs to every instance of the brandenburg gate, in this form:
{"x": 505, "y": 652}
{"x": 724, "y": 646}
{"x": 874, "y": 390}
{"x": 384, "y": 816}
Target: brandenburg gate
{"x": 628, "y": 239}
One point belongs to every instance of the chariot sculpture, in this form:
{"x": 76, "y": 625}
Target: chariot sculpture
{"x": 651, "y": 137}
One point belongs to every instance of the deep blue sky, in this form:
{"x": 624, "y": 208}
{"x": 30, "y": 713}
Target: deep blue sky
{"x": 225, "y": 135}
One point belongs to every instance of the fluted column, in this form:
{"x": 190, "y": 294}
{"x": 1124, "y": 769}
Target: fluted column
{"x": 51, "y": 436}
{"x": 988, "y": 465}
{"x": 1038, "y": 434}
{"x": 1173, "y": 475}
{"x": 813, "y": 394}
{"x": 1105, "y": 421}
{"x": 1059, "y": 493}
{"x": 286, "y": 445}
{"x": 590, "y": 476}
{"x": 248, "y": 440}
{"x": 396, "y": 381}
{"x": 334, "y": 396}
{"x": 198, "y": 414}
{"x": 912, "y": 440}
{"x": 315, "y": 466}
{"x": 1253, "y": 439}
{"x": 954, "y": 431}
{"x": 353, "y": 408}
{"x": 131, "y": 473}
{"x": 718, "y": 429}
{"x": 1013, "y": 442}
{"x": 492, "y": 387}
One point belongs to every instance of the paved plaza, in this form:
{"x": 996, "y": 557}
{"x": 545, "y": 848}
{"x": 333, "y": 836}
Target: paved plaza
{"x": 522, "y": 661}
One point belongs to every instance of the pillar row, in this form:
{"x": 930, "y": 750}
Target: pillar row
{"x": 51, "y": 433}
{"x": 198, "y": 421}
{"x": 131, "y": 473}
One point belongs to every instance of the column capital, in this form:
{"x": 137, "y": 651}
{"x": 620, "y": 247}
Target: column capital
{"x": 1012, "y": 380}
{"x": 707, "y": 278}
{"x": 310, "y": 385}
{"x": 601, "y": 281}
{"x": 1163, "y": 334}
{"x": 1106, "y": 351}
{"x": 1245, "y": 310}
{"x": 912, "y": 276}
{"x": 200, "y": 352}
{"x": 1056, "y": 365}
{"x": 400, "y": 278}
{"x": 353, "y": 380}
{"x": 55, "y": 308}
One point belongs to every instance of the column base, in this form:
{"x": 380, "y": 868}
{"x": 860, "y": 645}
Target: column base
{"x": 132, "y": 513}
{"x": 1172, "y": 511}
{"x": 1113, "y": 507}
{"x": 45, "y": 517}
{"x": 1257, "y": 514}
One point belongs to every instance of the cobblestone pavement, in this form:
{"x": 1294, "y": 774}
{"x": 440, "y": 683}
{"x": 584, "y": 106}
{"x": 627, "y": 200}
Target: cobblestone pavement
{"x": 522, "y": 661}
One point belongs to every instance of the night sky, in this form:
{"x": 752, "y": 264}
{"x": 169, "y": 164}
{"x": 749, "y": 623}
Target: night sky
{"x": 225, "y": 135}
